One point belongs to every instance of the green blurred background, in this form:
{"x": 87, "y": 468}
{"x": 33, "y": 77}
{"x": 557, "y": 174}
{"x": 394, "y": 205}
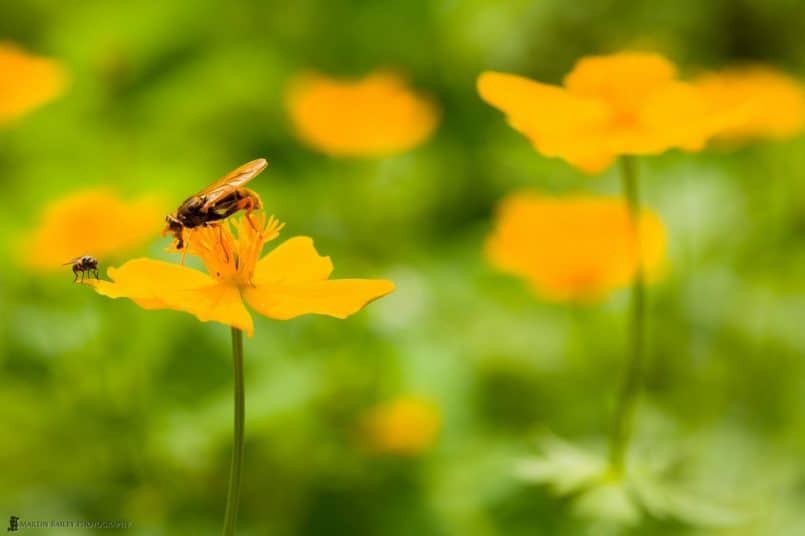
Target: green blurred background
{"x": 113, "y": 412}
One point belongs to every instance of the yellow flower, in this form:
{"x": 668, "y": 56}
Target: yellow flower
{"x": 289, "y": 281}
{"x": 628, "y": 103}
{"x": 26, "y": 82}
{"x": 92, "y": 222}
{"x": 574, "y": 248}
{"x": 774, "y": 102}
{"x": 374, "y": 116}
{"x": 405, "y": 426}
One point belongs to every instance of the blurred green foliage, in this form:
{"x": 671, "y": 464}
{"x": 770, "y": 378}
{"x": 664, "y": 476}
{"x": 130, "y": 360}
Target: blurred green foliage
{"x": 112, "y": 412}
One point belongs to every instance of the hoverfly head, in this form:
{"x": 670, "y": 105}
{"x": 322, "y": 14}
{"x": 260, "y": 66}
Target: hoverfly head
{"x": 173, "y": 226}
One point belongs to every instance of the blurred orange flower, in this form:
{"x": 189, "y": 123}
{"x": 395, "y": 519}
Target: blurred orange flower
{"x": 407, "y": 425}
{"x": 374, "y": 116}
{"x": 574, "y": 248}
{"x": 628, "y": 103}
{"x": 26, "y": 81}
{"x": 774, "y": 102}
{"x": 289, "y": 281}
{"x": 91, "y": 222}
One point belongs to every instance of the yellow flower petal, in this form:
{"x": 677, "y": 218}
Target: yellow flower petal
{"x": 288, "y": 282}
{"x": 294, "y": 260}
{"x": 774, "y": 102}
{"x": 686, "y": 117}
{"x": 339, "y": 298}
{"x": 623, "y": 104}
{"x": 161, "y": 285}
{"x": 624, "y": 80}
{"x": 376, "y": 115}
{"x": 574, "y": 248}
{"x": 406, "y": 426}
{"x": 555, "y": 121}
{"x": 92, "y": 222}
{"x": 536, "y": 108}
{"x": 26, "y": 81}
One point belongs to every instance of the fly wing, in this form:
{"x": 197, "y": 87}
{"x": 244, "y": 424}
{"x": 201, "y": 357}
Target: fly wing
{"x": 232, "y": 181}
{"x": 73, "y": 261}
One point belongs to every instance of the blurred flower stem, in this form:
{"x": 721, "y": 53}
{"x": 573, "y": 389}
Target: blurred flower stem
{"x": 633, "y": 379}
{"x": 233, "y": 494}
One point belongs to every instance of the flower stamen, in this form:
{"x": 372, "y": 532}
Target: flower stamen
{"x": 230, "y": 249}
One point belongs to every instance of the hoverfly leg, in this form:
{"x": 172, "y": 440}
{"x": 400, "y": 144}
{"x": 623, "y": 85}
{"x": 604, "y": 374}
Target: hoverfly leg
{"x": 98, "y": 277}
{"x": 185, "y": 245}
{"x": 75, "y": 276}
{"x": 251, "y": 221}
{"x": 247, "y": 205}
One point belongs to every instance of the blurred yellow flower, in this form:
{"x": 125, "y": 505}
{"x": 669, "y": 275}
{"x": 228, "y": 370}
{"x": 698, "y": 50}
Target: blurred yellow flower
{"x": 289, "y": 281}
{"x": 774, "y": 102}
{"x": 92, "y": 222}
{"x": 573, "y": 248}
{"x": 628, "y": 103}
{"x": 407, "y": 425}
{"x": 26, "y": 81}
{"x": 374, "y": 116}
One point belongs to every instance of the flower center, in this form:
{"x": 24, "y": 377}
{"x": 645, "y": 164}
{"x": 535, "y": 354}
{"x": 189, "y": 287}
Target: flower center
{"x": 230, "y": 249}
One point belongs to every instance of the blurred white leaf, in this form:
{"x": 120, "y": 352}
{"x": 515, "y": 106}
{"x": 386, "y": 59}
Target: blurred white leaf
{"x": 562, "y": 466}
{"x": 610, "y": 501}
{"x": 600, "y": 495}
{"x": 664, "y": 500}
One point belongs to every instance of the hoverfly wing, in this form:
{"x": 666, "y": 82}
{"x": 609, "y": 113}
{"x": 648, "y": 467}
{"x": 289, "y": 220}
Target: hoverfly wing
{"x": 73, "y": 260}
{"x": 232, "y": 181}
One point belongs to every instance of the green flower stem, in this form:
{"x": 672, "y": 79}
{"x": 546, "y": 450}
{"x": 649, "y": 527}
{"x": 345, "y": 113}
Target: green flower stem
{"x": 233, "y": 493}
{"x": 632, "y": 382}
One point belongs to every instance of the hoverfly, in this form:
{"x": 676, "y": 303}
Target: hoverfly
{"x": 216, "y": 202}
{"x": 84, "y": 264}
